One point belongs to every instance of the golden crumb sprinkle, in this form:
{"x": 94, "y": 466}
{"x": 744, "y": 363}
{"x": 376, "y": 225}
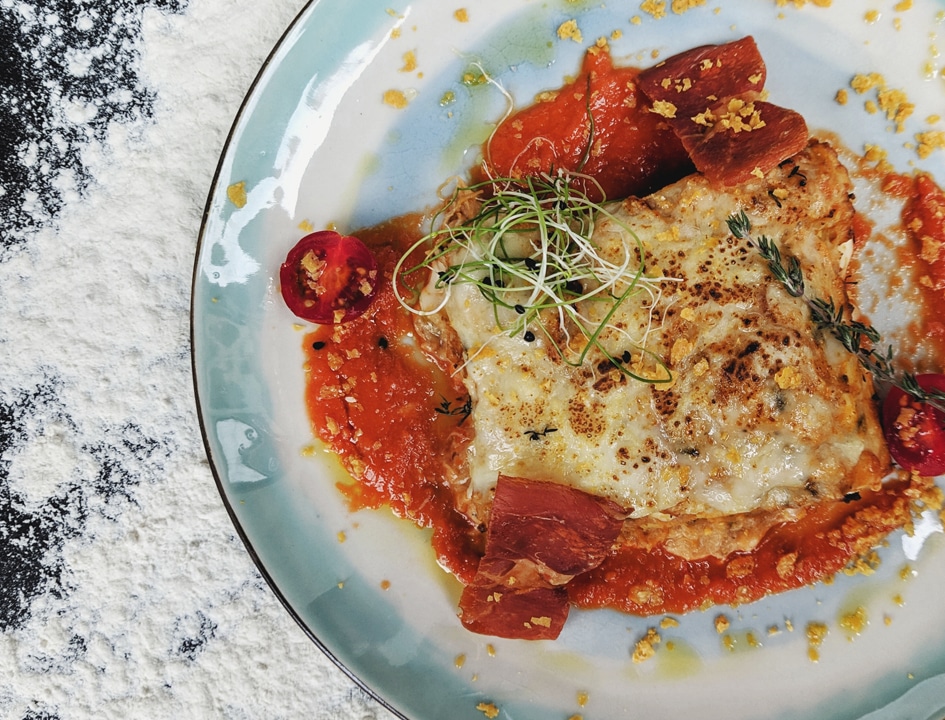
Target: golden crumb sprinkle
{"x": 385, "y": 584}
{"x": 842, "y": 96}
{"x": 864, "y": 82}
{"x": 410, "y": 61}
{"x": 460, "y": 660}
{"x": 646, "y": 646}
{"x": 342, "y": 536}
{"x": 669, "y": 622}
{"x": 236, "y": 193}
{"x": 616, "y": 34}
{"x": 306, "y": 226}
{"x": 874, "y": 154}
{"x": 680, "y": 350}
{"x": 788, "y": 378}
{"x": 664, "y": 108}
{"x": 656, "y": 8}
{"x": 722, "y": 623}
{"x": 582, "y": 698}
{"x": 396, "y": 99}
{"x": 488, "y": 709}
{"x": 896, "y": 105}
{"x": 681, "y": 6}
{"x": 871, "y": 16}
{"x": 568, "y": 30}
{"x": 816, "y": 632}
{"x": 903, "y": 5}
{"x": 636, "y": 20}
{"x": 928, "y": 142}
{"x": 576, "y": 716}
{"x": 854, "y": 621}
{"x": 490, "y": 650}
{"x": 461, "y": 15}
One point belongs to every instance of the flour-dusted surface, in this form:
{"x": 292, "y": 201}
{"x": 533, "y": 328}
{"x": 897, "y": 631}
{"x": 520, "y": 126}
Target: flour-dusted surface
{"x": 124, "y": 589}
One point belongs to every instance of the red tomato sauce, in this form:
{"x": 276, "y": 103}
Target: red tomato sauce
{"x": 924, "y": 221}
{"x": 600, "y": 125}
{"x": 791, "y": 555}
{"x": 391, "y": 415}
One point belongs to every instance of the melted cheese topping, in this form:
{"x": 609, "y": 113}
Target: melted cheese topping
{"x": 763, "y": 411}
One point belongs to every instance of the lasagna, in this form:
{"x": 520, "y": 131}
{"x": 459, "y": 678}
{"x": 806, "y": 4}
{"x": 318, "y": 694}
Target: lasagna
{"x": 615, "y": 404}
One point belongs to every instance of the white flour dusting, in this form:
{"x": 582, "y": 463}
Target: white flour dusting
{"x": 126, "y": 592}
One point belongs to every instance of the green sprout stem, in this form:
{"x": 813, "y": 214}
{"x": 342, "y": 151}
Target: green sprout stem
{"x": 528, "y": 250}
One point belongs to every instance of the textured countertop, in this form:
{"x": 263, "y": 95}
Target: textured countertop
{"x": 125, "y": 591}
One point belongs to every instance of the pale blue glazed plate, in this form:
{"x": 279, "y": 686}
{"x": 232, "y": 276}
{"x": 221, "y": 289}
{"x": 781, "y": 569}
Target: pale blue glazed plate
{"x": 316, "y": 143}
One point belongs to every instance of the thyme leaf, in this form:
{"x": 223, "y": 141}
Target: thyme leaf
{"x": 862, "y": 340}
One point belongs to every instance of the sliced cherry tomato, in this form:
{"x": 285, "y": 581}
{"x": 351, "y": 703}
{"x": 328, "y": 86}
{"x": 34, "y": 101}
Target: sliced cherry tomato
{"x": 329, "y": 278}
{"x": 915, "y": 431}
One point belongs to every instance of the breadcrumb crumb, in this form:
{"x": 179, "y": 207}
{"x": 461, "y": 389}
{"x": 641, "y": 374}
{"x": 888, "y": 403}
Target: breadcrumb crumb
{"x": 656, "y": 8}
{"x": 236, "y": 193}
{"x": 646, "y": 646}
{"x": 396, "y": 99}
{"x": 488, "y": 709}
{"x": 816, "y": 632}
{"x": 569, "y": 30}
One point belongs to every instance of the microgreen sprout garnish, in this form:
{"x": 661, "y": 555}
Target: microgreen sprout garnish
{"x": 526, "y": 246}
{"x": 859, "y": 338}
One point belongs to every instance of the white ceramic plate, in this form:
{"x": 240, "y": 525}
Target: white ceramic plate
{"x": 314, "y": 142}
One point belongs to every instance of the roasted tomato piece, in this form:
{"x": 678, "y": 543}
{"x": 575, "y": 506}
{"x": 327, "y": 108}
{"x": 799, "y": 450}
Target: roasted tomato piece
{"x": 599, "y": 125}
{"x": 328, "y": 278}
{"x": 915, "y": 431}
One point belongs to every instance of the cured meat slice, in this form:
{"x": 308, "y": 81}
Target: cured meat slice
{"x": 730, "y": 157}
{"x": 541, "y": 535}
{"x": 497, "y": 603}
{"x": 710, "y": 96}
{"x": 696, "y": 79}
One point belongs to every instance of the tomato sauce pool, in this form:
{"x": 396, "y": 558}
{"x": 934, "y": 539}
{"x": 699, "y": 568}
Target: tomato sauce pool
{"x": 396, "y": 420}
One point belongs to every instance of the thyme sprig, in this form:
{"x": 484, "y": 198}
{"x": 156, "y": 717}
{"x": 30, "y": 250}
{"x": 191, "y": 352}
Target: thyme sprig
{"x": 862, "y": 340}
{"x": 527, "y": 248}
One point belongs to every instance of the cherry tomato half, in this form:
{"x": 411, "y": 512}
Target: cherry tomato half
{"x": 915, "y": 431}
{"x": 328, "y": 278}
